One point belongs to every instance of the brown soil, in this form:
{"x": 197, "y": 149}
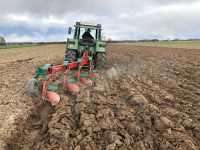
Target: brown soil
{"x": 16, "y": 66}
{"x": 147, "y": 98}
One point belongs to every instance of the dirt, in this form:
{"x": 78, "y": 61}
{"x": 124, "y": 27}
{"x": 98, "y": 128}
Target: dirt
{"x": 146, "y": 98}
{"x": 16, "y": 67}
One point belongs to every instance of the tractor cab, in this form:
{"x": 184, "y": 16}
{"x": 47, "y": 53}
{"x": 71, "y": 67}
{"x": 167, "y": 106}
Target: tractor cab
{"x": 87, "y": 36}
{"x": 81, "y": 29}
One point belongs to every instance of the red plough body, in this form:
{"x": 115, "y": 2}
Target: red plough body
{"x": 53, "y": 97}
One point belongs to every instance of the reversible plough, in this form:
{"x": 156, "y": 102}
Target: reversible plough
{"x": 83, "y": 55}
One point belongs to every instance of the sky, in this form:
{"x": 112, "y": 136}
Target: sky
{"x": 48, "y": 20}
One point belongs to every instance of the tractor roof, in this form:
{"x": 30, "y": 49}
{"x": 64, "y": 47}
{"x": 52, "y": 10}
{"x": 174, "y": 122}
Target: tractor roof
{"x": 88, "y": 25}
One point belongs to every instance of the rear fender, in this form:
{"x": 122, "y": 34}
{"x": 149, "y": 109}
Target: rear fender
{"x": 101, "y": 47}
{"x": 72, "y": 44}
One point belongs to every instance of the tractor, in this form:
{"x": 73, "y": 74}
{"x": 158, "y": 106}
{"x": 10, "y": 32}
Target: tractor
{"x": 79, "y": 44}
{"x": 84, "y": 53}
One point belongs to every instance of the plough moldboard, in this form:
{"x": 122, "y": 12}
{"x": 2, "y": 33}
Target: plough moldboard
{"x": 48, "y": 79}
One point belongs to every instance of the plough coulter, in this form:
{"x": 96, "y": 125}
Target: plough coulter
{"x": 84, "y": 53}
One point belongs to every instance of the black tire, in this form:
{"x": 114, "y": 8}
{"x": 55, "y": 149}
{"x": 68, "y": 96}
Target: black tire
{"x": 100, "y": 60}
{"x": 70, "y": 55}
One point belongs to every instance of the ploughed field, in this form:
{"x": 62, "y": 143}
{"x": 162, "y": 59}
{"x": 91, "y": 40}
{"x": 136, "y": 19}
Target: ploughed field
{"x": 145, "y": 98}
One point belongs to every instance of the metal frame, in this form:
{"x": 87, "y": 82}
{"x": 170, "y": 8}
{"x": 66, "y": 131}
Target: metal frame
{"x": 55, "y": 69}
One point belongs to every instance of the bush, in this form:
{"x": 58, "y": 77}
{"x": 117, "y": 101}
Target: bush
{"x": 2, "y": 41}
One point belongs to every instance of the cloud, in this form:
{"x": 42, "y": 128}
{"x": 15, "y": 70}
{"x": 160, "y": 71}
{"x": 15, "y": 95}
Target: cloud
{"x": 47, "y": 20}
{"x": 35, "y": 38}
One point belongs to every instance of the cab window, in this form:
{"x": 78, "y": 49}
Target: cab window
{"x": 82, "y": 31}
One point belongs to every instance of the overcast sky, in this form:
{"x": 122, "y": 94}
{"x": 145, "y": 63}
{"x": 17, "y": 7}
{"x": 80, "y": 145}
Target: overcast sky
{"x": 47, "y": 20}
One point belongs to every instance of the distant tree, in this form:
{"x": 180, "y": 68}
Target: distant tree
{"x": 2, "y": 41}
{"x": 109, "y": 40}
{"x": 155, "y": 40}
{"x": 176, "y": 40}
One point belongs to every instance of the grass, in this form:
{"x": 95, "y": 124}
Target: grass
{"x": 9, "y": 46}
{"x": 174, "y": 44}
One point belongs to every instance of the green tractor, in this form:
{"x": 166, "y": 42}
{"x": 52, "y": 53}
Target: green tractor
{"x": 87, "y": 37}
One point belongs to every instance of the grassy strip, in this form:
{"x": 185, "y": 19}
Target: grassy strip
{"x": 175, "y": 44}
{"x": 17, "y": 46}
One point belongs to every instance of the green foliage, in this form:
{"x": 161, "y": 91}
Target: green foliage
{"x": 8, "y": 46}
{"x": 2, "y": 41}
{"x": 173, "y": 44}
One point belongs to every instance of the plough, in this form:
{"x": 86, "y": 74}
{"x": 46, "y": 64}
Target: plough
{"x": 80, "y": 61}
{"x": 45, "y": 76}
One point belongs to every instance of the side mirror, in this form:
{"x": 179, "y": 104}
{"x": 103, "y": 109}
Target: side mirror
{"x": 70, "y": 30}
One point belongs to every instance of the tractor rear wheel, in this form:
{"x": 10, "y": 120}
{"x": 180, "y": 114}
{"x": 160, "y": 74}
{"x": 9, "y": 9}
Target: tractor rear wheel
{"x": 100, "y": 60}
{"x": 70, "y": 56}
